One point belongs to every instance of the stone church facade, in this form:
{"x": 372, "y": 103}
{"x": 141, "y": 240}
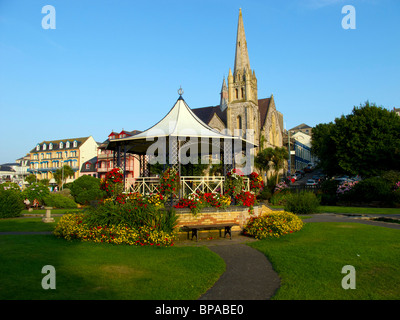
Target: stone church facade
{"x": 239, "y": 108}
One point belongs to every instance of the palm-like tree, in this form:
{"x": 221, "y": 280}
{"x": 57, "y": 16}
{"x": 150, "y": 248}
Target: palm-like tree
{"x": 271, "y": 158}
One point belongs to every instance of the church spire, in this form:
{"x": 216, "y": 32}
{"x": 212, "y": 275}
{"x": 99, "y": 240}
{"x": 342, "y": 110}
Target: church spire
{"x": 242, "y": 61}
{"x": 224, "y": 96}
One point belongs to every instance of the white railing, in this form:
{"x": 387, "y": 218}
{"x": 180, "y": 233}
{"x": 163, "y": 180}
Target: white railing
{"x": 143, "y": 185}
{"x": 188, "y": 184}
{"x": 191, "y": 184}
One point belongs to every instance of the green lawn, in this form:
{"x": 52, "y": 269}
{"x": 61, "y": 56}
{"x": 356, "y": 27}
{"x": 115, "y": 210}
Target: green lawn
{"x": 27, "y": 224}
{"x": 100, "y": 271}
{"x": 310, "y": 261}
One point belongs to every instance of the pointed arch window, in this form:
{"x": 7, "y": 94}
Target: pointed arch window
{"x": 237, "y": 93}
{"x": 239, "y": 122}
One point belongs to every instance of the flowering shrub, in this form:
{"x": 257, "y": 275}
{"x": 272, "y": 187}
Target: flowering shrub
{"x": 234, "y": 183}
{"x": 246, "y": 199}
{"x": 192, "y": 202}
{"x": 155, "y": 199}
{"x": 256, "y": 182}
{"x": 112, "y": 184}
{"x": 345, "y": 187}
{"x": 280, "y": 187}
{"x": 273, "y": 224}
{"x": 74, "y": 226}
{"x": 397, "y": 186}
{"x": 169, "y": 183}
{"x": 224, "y": 200}
{"x": 197, "y": 201}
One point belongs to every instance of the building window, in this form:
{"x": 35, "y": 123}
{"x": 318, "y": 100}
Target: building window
{"x": 61, "y": 145}
{"x": 38, "y": 147}
{"x": 242, "y": 93}
{"x": 67, "y": 144}
{"x": 237, "y": 93}
{"x": 44, "y": 146}
{"x": 239, "y": 122}
{"x": 88, "y": 166}
{"x": 75, "y": 144}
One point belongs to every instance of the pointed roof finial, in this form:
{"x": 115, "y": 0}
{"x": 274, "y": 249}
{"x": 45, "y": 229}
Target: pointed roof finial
{"x": 180, "y": 91}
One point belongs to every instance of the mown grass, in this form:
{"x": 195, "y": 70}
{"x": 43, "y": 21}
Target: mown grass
{"x": 100, "y": 271}
{"x": 310, "y": 261}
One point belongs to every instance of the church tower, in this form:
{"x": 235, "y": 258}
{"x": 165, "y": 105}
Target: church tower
{"x": 242, "y": 110}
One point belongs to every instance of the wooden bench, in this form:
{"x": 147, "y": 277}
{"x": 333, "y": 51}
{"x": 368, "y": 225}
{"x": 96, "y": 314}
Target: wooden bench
{"x": 223, "y": 226}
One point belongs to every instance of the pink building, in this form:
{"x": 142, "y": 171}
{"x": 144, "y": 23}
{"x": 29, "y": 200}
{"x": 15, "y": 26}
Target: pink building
{"x": 106, "y": 159}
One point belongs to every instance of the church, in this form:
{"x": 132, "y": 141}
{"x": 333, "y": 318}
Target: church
{"x": 240, "y": 108}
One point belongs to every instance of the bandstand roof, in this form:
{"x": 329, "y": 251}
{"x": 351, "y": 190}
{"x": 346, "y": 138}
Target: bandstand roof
{"x": 180, "y": 121}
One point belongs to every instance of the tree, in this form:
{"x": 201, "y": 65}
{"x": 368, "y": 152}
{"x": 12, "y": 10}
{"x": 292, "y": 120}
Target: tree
{"x": 62, "y": 174}
{"x": 85, "y": 189}
{"x": 365, "y": 142}
{"x": 31, "y": 178}
{"x": 271, "y": 158}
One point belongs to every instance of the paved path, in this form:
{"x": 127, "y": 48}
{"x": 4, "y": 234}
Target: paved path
{"x": 364, "y": 219}
{"x": 248, "y": 276}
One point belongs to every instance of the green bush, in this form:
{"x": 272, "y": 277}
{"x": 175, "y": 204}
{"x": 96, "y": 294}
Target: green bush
{"x": 36, "y": 191}
{"x": 265, "y": 194}
{"x": 86, "y": 189}
{"x": 391, "y": 176}
{"x": 134, "y": 214}
{"x": 302, "y": 203}
{"x": 11, "y": 203}
{"x": 372, "y": 189}
{"x": 278, "y": 198}
{"x": 9, "y": 185}
{"x": 59, "y": 201}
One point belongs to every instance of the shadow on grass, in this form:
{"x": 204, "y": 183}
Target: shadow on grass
{"x": 102, "y": 271}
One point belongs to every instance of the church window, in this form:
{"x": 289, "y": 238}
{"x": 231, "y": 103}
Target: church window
{"x": 242, "y": 93}
{"x": 239, "y": 122}
{"x": 237, "y": 93}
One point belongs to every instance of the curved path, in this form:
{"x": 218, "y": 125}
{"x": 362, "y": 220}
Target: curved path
{"x": 248, "y": 276}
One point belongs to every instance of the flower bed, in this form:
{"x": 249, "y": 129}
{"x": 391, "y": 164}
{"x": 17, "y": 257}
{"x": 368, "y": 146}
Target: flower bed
{"x": 132, "y": 219}
{"x": 197, "y": 201}
{"x": 273, "y": 224}
{"x": 74, "y": 226}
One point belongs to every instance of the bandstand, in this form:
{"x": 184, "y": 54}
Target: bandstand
{"x": 180, "y": 138}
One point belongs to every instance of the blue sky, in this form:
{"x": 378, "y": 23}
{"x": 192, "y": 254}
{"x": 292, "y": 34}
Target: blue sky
{"x": 113, "y": 65}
